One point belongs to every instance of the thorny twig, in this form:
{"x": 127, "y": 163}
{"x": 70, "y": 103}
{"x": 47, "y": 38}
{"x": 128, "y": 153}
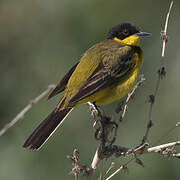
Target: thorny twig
{"x": 142, "y": 78}
{"x": 122, "y": 167}
{"x": 78, "y": 167}
{"x": 106, "y": 126}
{"x": 21, "y": 114}
{"x": 161, "y": 74}
{"x": 164, "y": 33}
{"x": 129, "y": 97}
{"x": 125, "y": 105}
{"x": 164, "y": 149}
{"x": 109, "y": 169}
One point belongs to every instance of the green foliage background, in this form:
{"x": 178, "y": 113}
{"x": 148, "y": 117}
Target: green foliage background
{"x": 39, "y": 41}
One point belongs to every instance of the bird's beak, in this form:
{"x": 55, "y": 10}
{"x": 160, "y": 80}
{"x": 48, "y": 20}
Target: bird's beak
{"x": 141, "y": 33}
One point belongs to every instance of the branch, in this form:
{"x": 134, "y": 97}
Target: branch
{"x": 117, "y": 171}
{"x": 78, "y": 167}
{"x": 142, "y": 78}
{"x": 164, "y": 33}
{"x": 161, "y": 74}
{"x": 21, "y": 114}
{"x": 164, "y": 149}
{"x": 104, "y": 129}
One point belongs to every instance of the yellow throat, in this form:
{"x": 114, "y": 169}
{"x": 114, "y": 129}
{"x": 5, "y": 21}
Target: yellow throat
{"x": 131, "y": 40}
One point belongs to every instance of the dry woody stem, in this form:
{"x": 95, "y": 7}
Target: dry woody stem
{"x": 102, "y": 149}
{"x": 164, "y": 33}
{"x": 161, "y": 74}
{"x": 21, "y": 114}
{"x": 164, "y": 149}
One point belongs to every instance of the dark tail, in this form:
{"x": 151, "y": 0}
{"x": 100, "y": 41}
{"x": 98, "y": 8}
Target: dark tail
{"x": 46, "y": 129}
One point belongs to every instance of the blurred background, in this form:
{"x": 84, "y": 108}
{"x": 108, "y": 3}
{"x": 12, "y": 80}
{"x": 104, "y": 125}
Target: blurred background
{"x": 39, "y": 41}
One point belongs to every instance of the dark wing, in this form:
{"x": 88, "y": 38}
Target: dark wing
{"x": 107, "y": 74}
{"x": 62, "y": 84}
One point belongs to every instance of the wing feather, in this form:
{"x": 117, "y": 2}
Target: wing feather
{"x": 114, "y": 71}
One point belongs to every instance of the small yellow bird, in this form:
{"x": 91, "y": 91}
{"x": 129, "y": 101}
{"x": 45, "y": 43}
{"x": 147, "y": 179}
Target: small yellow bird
{"x": 106, "y": 72}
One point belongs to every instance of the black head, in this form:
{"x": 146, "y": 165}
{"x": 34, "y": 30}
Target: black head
{"x": 121, "y": 31}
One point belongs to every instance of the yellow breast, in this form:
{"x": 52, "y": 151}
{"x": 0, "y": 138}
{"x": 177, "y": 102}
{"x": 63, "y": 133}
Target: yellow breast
{"x": 114, "y": 93}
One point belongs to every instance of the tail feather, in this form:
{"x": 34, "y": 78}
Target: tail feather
{"x": 42, "y": 133}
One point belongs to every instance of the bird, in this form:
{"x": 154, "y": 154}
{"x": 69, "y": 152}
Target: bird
{"x": 105, "y": 73}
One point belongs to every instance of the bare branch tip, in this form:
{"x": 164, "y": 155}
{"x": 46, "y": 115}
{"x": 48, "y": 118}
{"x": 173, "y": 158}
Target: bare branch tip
{"x": 51, "y": 86}
{"x": 178, "y": 124}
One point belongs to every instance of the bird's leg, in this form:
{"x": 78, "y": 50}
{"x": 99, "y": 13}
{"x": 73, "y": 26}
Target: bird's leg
{"x": 95, "y": 110}
{"x": 115, "y": 127}
{"x": 104, "y": 125}
{"x": 99, "y": 123}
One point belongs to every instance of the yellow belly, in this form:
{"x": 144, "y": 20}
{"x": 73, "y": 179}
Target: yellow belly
{"x": 113, "y": 92}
